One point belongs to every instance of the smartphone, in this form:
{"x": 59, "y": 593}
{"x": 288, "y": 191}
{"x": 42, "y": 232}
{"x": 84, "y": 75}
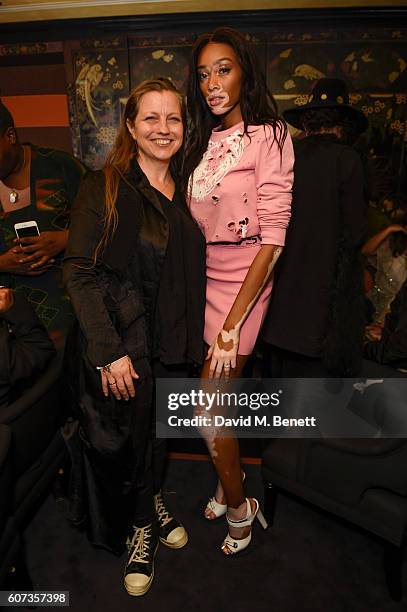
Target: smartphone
{"x": 26, "y": 229}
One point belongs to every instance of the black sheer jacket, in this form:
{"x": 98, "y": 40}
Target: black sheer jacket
{"x": 115, "y": 302}
{"x": 115, "y": 299}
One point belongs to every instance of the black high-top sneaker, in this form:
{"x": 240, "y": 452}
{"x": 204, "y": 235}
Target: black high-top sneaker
{"x": 171, "y": 532}
{"x": 142, "y": 545}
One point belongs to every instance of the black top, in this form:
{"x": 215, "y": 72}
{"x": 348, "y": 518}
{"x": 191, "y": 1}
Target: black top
{"x": 328, "y": 200}
{"x": 171, "y": 339}
{"x": 115, "y": 300}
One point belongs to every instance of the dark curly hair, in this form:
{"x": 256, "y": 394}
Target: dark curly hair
{"x": 315, "y": 119}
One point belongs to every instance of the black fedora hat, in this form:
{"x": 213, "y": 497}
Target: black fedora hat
{"x": 327, "y": 93}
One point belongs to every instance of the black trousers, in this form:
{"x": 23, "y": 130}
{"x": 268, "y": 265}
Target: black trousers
{"x": 156, "y": 460}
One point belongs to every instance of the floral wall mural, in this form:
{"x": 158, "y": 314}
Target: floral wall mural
{"x": 166, "y": 56}
{"x": 100, "y": 82}
{"x": 373, "y": 63}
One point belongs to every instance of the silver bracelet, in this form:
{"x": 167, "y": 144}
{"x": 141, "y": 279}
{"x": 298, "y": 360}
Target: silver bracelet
{"x": 106, "y": 368}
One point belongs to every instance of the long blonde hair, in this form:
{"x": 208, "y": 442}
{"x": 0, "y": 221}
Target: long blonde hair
{"x": 125, "y": 149}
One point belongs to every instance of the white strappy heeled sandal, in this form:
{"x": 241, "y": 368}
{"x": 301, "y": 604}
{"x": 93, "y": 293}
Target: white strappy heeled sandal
{"x": 217, "y": 508}
{"x": 230, "y": 545}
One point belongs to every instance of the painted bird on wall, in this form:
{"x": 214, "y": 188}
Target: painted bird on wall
{"x": 308, "y": 72}
{"x": 88, "y": 79}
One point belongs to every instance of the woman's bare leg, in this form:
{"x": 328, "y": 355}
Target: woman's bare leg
{"x": 225, "y": 455}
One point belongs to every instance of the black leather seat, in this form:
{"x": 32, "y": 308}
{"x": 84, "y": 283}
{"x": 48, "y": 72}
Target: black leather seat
{"x": 36, "y": 451}
{"x": 361, "y": 480}
{"x": 9, "y": 534}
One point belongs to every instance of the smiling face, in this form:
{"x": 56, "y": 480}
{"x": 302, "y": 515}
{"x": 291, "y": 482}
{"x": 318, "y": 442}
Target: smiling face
{"x": 158, "y": 128}
{"x": 220, "y": 79}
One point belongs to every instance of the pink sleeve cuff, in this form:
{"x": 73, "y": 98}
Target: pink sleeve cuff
{"x": 274, "y": 235}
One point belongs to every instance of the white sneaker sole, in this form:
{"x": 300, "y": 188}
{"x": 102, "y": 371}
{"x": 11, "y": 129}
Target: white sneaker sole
{"x": 141, "y": 590}
{"x": 180, "y": 544}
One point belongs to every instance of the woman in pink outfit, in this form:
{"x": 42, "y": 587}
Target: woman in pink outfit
{"x": 240, "y": 167}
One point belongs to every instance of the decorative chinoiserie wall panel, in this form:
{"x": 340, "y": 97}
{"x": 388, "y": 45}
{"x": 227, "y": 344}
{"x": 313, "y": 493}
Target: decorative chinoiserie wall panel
{"x": 101, "y": 70}
{"x": 159, "y": 55}
{"x": 373, "y": 63}
{"x": 99, "y": 81}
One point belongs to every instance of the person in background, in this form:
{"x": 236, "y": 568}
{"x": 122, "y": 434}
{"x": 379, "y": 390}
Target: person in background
{"x": 25, "y": 348}
{"x": 36, "y": 184}
{"x": 386, "y": 253}
{"x": 315, "y": 322}
{"x": 240, "y": 168}
{"x": 135, "y": 271}
{"x": 387, "y": 345}
{"x": 381, "y": 400}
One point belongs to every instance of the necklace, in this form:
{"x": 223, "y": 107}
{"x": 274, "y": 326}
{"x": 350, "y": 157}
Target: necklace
{"x": 13, "y": 196}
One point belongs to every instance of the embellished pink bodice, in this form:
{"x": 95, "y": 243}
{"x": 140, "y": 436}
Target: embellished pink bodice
{"x": 242, "y": 186}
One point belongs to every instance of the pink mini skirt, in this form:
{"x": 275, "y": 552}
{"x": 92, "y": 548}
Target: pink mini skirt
{"x": 226, "y": 269}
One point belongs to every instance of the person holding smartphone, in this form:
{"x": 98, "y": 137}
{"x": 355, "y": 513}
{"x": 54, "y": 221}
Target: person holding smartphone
{"x": 37, "y": 188}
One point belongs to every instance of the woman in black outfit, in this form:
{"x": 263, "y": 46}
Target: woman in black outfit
{"x": 134, "y": 269}
{"x": 315, "y": 321}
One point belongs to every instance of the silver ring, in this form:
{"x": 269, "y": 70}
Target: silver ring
{"x": 226, "y": 366}
{"x": 113, "y": 383}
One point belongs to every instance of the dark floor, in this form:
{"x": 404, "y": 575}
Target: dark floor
{"x": 307, "y": 562}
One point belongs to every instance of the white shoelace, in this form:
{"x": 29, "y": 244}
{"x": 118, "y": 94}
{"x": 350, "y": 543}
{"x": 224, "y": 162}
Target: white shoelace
{"x": 140, "y": 543}
{"x": 163, "y": 516}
